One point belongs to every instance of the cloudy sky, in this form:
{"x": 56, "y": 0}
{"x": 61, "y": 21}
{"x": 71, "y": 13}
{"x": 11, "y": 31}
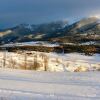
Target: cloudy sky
{"x": 13, "y": 12}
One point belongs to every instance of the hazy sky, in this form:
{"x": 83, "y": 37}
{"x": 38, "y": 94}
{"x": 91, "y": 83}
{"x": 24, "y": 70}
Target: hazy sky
{"x": 14, "y": 12}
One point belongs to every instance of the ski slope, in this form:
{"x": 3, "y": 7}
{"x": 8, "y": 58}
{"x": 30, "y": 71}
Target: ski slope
{"x": 30, "y": 85}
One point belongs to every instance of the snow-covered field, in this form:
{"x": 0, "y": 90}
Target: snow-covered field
{"x": 30, "y": 85}
{"x": 56, "y": 83}
{"x": 41, "y": 61}
{"x": 37, "y": 43}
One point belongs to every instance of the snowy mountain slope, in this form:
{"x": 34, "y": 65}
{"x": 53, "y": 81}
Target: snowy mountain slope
{"x": 89, "y": 26}
{"x": 27, "y": 32}
{"x": 30, "y": 85}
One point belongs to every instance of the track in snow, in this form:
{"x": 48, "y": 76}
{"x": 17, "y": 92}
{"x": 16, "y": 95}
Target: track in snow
{"x": 30, "y": 85}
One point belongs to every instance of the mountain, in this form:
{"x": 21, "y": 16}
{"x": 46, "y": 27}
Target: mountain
{"x": 82, "y": 25}
{"x": 87, "y": 28}
{"x": 26, "y": 32}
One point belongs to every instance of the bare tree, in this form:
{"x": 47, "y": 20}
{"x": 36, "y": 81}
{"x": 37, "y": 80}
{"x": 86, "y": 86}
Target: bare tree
{"x": 12, "y": 63}
{"x": 46, "y": 59}
{"x": 4, "y": 59}
{"x": 25, "y": 61}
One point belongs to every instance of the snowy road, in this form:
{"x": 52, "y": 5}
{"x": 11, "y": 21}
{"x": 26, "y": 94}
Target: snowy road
{"x": 30, "y": 85}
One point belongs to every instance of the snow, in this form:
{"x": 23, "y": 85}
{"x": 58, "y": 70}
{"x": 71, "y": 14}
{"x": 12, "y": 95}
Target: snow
{"x": 95, "y": 16}
{"x": 37, "y": 43}
{"x": 53, "y": 61}
{"x": 30, "y": 85}
{"x": 89, "y": 43}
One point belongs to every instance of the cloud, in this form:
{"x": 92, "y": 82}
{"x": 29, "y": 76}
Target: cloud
{"x": 38, "y": 11}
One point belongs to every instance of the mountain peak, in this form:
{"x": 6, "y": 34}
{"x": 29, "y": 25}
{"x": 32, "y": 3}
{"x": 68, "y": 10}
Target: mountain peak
{"x": 95, "y": 16}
